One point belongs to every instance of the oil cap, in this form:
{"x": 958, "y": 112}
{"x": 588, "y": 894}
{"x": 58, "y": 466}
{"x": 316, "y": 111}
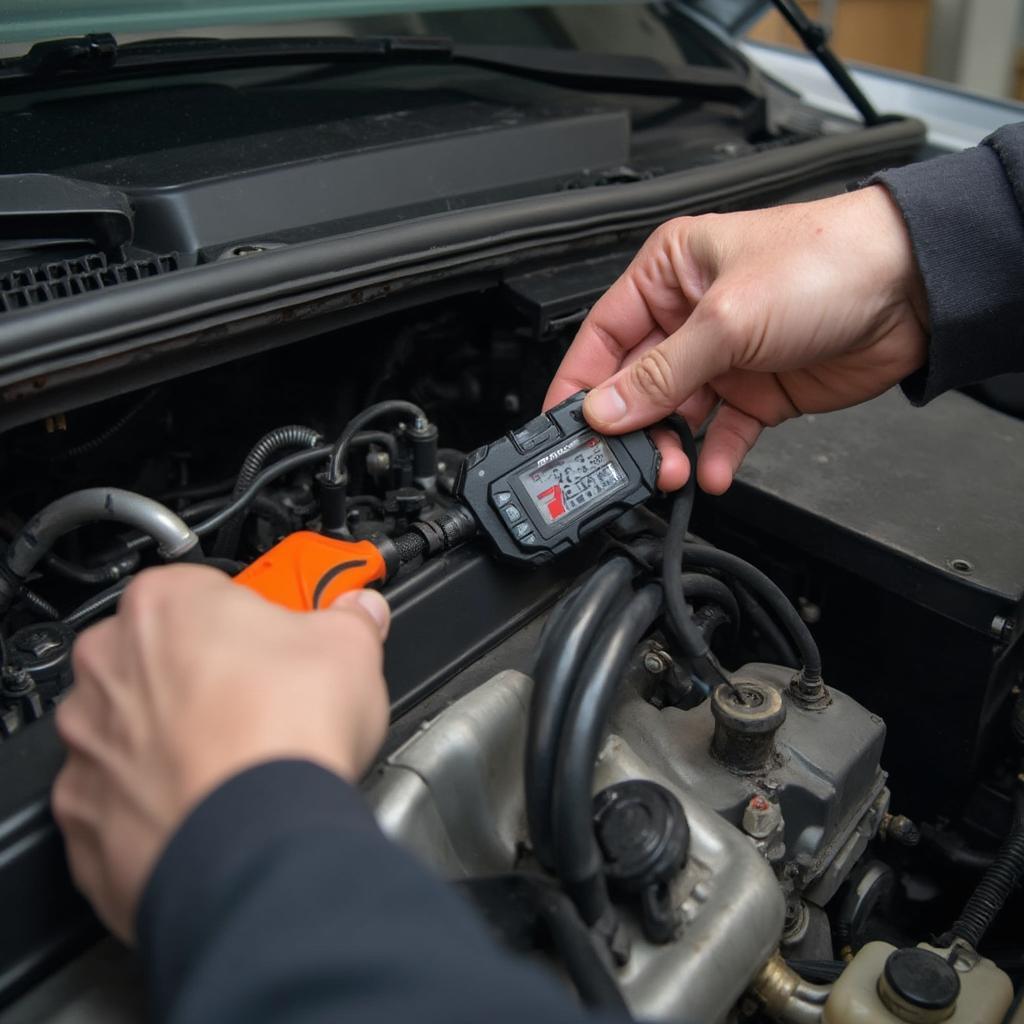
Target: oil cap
{"x": 919, "y": 986}
{"x": 645, "y": 839}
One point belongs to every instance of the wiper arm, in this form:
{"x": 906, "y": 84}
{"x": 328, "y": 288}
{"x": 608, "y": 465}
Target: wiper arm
{"x": 99, "y": 57}
{"x": 815, "y": 38}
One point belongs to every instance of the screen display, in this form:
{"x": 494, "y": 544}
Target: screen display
{"x": 574, "y": 481}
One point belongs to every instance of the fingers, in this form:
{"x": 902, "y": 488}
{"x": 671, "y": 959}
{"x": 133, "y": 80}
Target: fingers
{"x": 670, "y": 373}
{"x": 369, "y": 605}
{"x": 675, "y": 466}
{"x": 731, "y": 434}
{"x": 648, "y": 299}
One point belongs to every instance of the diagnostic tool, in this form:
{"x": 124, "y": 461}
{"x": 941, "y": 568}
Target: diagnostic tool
{"x": 543, "y": 487}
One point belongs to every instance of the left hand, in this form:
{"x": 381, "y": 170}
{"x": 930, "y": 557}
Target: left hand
{"x": 193, "y": 681}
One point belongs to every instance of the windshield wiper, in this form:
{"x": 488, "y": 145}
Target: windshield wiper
{"x": 99, "y": 57}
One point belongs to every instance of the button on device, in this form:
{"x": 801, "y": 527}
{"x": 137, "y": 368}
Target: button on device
{"x": 530, "y": 538}
{"x": 539, "y": 431}
{"x": 512, "y": 514}
{"x": 502, "y": 498}
{"x": 522, "y": 529}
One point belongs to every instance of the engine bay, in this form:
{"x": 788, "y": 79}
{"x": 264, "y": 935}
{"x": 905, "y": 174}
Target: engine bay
{"x": 738, "y": 807}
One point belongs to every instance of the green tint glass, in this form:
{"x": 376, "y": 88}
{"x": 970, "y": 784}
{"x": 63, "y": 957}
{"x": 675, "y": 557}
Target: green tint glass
{"x": 25, "y": 21}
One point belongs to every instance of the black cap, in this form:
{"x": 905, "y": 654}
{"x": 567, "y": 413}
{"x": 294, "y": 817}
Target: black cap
{"x": 642, "y": 832}
{"x": 922, "y": 979}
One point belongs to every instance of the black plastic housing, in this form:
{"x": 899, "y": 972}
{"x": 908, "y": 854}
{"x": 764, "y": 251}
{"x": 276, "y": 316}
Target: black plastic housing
{"x": 489, "y": 483}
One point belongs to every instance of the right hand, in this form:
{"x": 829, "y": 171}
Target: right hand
{"x": 766, "y": 314}
{"x": 194, "y": 680}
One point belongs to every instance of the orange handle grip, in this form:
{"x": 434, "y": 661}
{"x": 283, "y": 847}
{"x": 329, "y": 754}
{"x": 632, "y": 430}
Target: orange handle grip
{"x": 307, "y": 571}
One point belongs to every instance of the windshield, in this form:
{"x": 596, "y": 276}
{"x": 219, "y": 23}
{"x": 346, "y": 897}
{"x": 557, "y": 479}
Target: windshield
{"x": 27, "y": 21}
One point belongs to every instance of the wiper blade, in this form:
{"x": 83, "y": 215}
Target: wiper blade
{"x": 99, "y": 57}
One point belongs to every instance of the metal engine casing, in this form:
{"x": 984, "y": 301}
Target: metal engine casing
{"x": 826, "y": 775}
{"x": 453, "y": 794}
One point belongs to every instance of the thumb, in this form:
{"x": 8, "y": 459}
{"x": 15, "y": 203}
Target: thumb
{"x": 370, "y": 604}
{"x": 657, "y": 383}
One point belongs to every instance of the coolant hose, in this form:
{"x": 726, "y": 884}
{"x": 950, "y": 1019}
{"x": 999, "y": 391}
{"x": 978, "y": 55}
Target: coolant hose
{"x": 577, "y": 622}
{"x": 1000, "y": 880}
{"x": 277, "y": 440}
{"x": 578, "y": 859}
{"x": 700, "y": 556}
{"x": 174, "y": 538}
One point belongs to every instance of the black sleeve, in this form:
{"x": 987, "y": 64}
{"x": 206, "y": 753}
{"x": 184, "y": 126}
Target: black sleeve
{"x": 965, "y": 215}
{"x": 279, "y": 899}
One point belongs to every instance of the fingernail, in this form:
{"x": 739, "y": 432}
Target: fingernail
{"x": 605, "y": 406}
{"x": 374, "y": 604}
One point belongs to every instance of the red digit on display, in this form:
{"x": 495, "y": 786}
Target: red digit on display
{"x": 556, "y": 506}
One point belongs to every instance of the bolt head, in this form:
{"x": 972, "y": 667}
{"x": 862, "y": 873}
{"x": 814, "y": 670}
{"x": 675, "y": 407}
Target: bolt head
{"x": 655, "y": 663}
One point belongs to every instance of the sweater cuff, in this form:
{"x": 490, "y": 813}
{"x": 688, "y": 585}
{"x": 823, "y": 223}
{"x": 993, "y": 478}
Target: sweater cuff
{"x": 206, "y": 864}
{"x": 968, "y": 237}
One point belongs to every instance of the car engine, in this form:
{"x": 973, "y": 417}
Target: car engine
{"x": 709, "y": 822}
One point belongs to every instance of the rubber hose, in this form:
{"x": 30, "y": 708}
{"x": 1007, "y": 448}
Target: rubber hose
{"x": 288, "y": 464}
{"x": 175, "y": 540}
{"x": 95, "y": 606}
{"x": 769, "y": 594}
{"x": 709, "y": 619}
{"x": 704, "y": 666}
{"x": 558, "y": 661}
{"x": 277, "y": 440}
{"x": 765, "y": 625}
{"x": 994, "y": 889}
{"x": 699, "y": 585}
{"x": 110, "y": 572}
{"x": 577, "y": 856}
{"x": 107, "y": 599}
{"x": 954, "y": 851}
{"x": 339, "y": 453}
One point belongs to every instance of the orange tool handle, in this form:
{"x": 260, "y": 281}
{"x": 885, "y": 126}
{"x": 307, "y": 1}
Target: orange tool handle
{"x": 307, "y": 571}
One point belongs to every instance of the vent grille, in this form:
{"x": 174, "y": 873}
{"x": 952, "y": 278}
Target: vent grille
{"x": 32, "y": 286}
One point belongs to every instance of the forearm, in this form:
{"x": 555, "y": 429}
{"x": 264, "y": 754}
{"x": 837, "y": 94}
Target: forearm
{"x": 965, "y": 215}
{"x": 279, "y": 898}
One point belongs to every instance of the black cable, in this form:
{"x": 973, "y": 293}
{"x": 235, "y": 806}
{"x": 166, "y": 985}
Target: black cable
{"x": 709, "y": 619}
{"x": 577, "y": 856}
{"x": 698, "y": 585}
{"x": 109, "y": 572}
{"x": 95, "y": 606}
{"x": 529, "y": 912}
{"x": 94, "y": 443}
{"x": 704, "y": 667}
{"x": 339, "y": 453}
{"x": 288, "y": 464}
{"x": 270, "y": 444}
{"x": 765, "y": 625}
{"x": 576, "y": 622}
{"x": 107, "y": 599}
{"x": 994, "y": 889}
{"x": 766, "y": 590}
{"x": 39, "y": 605}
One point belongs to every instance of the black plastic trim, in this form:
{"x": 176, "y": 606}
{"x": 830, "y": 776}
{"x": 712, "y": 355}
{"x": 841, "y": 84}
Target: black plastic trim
{"x": 36, "y": 339}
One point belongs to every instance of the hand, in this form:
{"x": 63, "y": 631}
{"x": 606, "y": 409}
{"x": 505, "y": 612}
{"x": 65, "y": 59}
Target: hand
{"x": 766, "y": 315}
{"x": 194, "y": 680}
